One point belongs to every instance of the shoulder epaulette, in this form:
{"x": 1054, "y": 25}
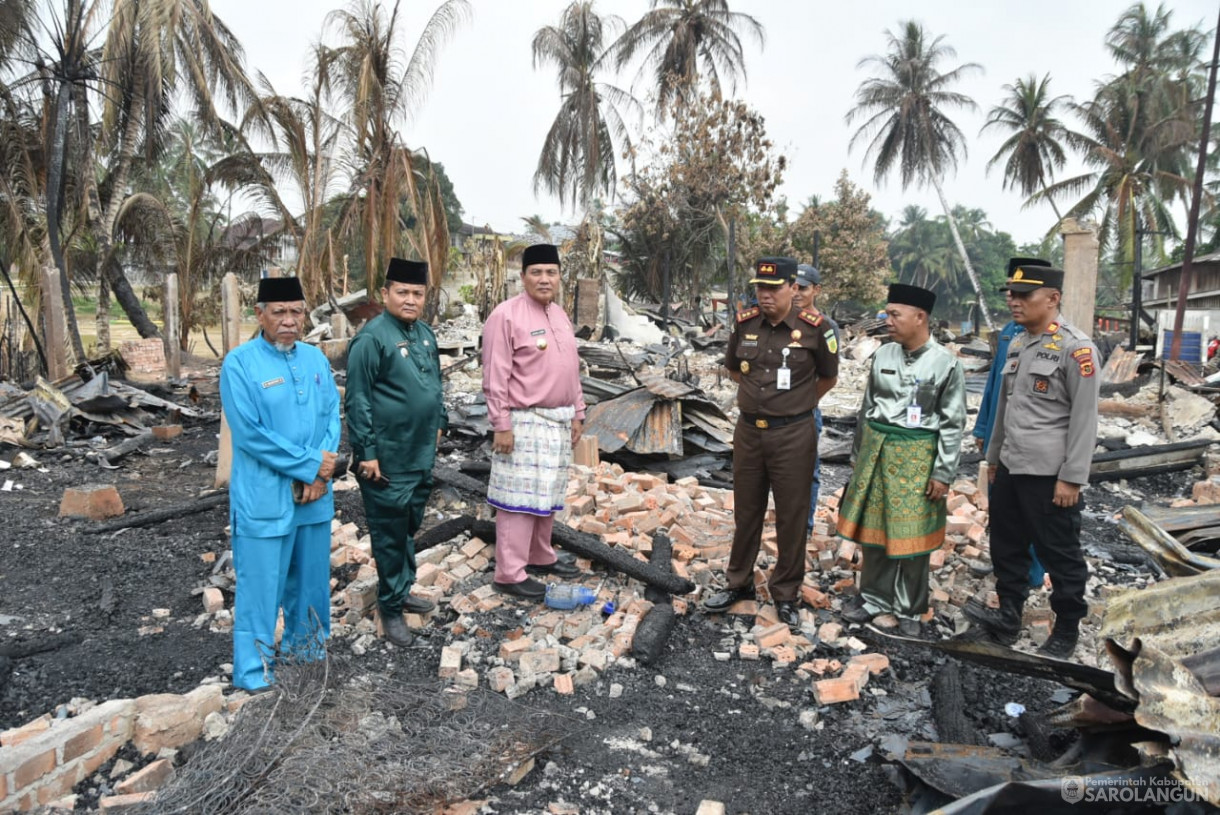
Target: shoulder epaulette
{"x": 811, "y": 317}
{"x": 742, "y": 316}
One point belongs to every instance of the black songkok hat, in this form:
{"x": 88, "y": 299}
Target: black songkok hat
{"x": 906, "y": 295}
{"x": 774, "y": 271}
{"x": 279, "y": 290}
{"x": 539, "y": 253}
{"x": 414, "y": 272}
{"x": 1027, "y": 274}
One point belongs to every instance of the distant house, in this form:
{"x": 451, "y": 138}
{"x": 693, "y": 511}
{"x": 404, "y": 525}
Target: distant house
{"x": 465, "y": 239}
{"x": 1160, "y": 295}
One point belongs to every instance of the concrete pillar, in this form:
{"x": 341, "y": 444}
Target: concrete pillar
{"x": 171, "y": 327}
{"x": 1080, "y": 254}
{"x": 230, "y": 313}
{"x": 338, "y": 325}
{"x": 56, "y": 339}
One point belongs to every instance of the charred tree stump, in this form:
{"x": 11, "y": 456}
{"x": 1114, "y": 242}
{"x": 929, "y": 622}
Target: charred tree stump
{"x": 949, "y": 706}
{"x": 653, "y": 632}
{"x": 591, "y": 547}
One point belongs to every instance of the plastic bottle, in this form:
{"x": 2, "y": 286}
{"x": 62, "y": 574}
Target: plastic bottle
{"x": 566, "y": 597}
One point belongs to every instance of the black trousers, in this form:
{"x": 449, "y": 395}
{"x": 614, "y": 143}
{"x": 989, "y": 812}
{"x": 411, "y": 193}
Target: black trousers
{"x": 1022, "y": 511}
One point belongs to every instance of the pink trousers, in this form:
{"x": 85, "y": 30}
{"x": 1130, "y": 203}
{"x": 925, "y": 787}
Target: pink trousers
{"x": 521, "y": 539}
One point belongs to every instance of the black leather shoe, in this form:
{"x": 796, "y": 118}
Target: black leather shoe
{"x": 788, "y": 613}
{"x": 910, "y": 628}
{"x": 855, "y": 612}
{"x": 395, "y": 629}
{"x": 559, "y": 568}
{"x": 529, "y": 588}
{"x": 722, "y": 600}
{"x": 565, "y": 557}
{"x": 417, "y": 605}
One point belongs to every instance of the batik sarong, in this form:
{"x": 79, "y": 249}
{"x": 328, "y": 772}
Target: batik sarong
{"x": 533, "y": 478}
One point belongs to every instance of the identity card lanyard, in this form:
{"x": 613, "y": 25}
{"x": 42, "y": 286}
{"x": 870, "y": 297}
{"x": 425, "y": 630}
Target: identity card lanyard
{"x": 914, "y": 411}
{"x": 783, "y": 376}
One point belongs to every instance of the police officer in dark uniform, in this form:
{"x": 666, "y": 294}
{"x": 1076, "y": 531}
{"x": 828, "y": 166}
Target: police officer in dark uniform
{"x": 783, "y": 359}
{"x": 1040, "y": 451}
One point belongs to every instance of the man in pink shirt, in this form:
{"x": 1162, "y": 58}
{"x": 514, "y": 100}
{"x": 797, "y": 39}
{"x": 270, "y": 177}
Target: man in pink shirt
{"x": 531, "y": 378}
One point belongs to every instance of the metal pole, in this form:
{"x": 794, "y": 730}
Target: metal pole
{"x": 1137, "y": 287}
{"x": 1192, "y": 224}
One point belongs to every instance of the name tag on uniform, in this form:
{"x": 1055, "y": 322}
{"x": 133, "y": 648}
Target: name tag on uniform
{"x": 538, "y": 333}
{"x": 914, "y": 415}
{"x": 271, "y": 383}
{"x": 783, "y": 379}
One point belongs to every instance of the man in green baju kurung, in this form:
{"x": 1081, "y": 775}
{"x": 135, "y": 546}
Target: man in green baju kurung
{"x": 395, "y": 415}
{"x": 908, "y": 442}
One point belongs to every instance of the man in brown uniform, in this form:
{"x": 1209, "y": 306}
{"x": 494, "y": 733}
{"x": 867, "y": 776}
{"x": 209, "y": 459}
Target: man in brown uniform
{"x": 782, "y": 359}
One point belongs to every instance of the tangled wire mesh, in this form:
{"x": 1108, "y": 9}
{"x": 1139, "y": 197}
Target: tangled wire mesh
{"x": 330, "y": 738}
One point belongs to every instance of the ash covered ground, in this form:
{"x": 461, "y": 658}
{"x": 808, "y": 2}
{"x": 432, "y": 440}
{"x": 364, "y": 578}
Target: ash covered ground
{"x": 111, "y": 616}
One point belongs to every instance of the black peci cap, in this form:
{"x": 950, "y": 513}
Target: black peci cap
{"x": 280, "y": 290}
{"x": 905, "y": 295}
{"x": 539, "y": 253}
{"x": 413, "y": 272}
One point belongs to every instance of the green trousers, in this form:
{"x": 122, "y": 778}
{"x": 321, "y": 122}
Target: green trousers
{"x": 394, "y": 514}
{"x": 895, "y": 585}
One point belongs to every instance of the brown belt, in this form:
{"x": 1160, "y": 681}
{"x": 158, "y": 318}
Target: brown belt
{"x": 768, "y": 422}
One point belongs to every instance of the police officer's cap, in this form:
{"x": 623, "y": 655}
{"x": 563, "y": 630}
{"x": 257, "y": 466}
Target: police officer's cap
{"x": 774, "y": 271}
{"x": 1027, "y": 274}
{"x": 280, "y": 290}
{"x": 905, "y": 295}
{"x": 413, "y": 272}
{"x": 807, "y": 275}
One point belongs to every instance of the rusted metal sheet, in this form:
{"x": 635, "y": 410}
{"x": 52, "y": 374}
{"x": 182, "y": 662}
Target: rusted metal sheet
{"x": 664, "y": 387}
{"x": 614, "y": 421}
{"x": 661, "y": 430}
{"x": 1180, "y": 616}
{"x": 1186, "y": 373}
{"x": 1169, "y": 553}
{"x": 1122, "y": 366}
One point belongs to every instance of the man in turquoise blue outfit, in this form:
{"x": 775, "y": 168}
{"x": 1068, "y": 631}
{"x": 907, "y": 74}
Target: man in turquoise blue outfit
{"x": 282, "y": 409}
{"x": 395, "y": 415}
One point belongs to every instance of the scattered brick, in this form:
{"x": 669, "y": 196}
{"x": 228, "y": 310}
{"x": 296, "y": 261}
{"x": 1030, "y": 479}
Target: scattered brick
{"x": 166, "y": 432}
{"x": 213, "y": 600}
{"x": 836, "y": 690}
{"x": 499, "y": 678}
{"x": 747, "y": 650}
{"x": 150, "y": 778}
{"x": 564, "y": 684}
{"x": 93, "y": 501}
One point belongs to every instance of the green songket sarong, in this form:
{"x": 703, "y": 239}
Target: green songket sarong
{"x": 885, "y": 504}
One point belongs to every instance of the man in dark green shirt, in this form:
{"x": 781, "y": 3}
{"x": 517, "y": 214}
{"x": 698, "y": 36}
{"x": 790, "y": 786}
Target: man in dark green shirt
{"x": 395, "y": 415}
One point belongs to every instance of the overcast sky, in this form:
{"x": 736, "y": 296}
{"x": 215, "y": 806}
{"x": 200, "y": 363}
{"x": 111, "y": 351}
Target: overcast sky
{"x": 488, "y": 111}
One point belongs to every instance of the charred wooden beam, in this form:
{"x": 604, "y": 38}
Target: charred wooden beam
{"x": 192, "y": 507}
{"x": 653, "y": 631}
{"x": 591, "y": 547}
{"x": 1141, "y": 461}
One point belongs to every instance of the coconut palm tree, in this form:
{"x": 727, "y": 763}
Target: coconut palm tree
{"x": 1138, "y": 132}
{"x": 376, "y": 88}
{"x": 685, "y": 42}
{"x": 578, "y": 156}
{"x": 1034, "y": 150}
{"x": 905, "y": 124}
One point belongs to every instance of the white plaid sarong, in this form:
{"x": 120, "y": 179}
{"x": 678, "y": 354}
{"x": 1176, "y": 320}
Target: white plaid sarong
{"x": 534, "y": 477}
